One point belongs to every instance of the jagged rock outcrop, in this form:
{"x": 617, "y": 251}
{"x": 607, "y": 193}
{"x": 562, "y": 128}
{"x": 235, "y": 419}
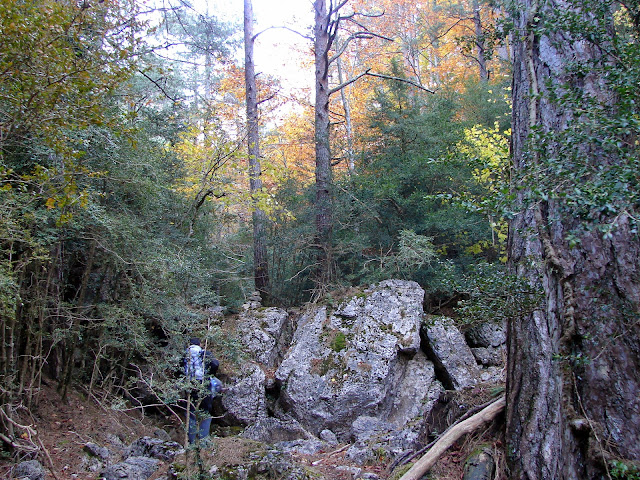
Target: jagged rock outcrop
{"x": 488, "y": 356}
{"x": 488, "y": 343}
{"x": 487, "y": 335}
{"x": 447, "y": 347}
{"x": 132, "y": 468}
{"x": 274, "y": 430}
{"x": 360, "y": 360}
{"x": 367, "y": 372}
{"x": 244, "y": 400}
{"x": 266, "y": 333}
{"x": 154, "y": 448}
{"x": 97, "y": 451}
{"x": 138, "y": 461}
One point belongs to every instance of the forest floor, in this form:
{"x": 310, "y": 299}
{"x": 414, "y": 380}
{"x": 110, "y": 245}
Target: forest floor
{"x": 65, "y": 427}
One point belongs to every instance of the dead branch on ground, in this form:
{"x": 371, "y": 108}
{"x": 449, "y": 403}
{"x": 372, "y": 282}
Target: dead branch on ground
{"x": 451, "y": 436}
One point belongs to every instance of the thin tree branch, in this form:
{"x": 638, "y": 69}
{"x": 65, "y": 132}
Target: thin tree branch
{"x": 270, "y": 97}
{"x": 399, "y": 79}
{"x": 337, "y": 8}
{"x": 160, "y": 87}
{"x": 281, "y": 28}
{"x": 378, "y": 75}
{"x": 349, "y": 82}
{"x": 357, "y": 35}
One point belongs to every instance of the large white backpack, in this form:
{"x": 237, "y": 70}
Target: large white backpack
{"x": 194, "y": 367}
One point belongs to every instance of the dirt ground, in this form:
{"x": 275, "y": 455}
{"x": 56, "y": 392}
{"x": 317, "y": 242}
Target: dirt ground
{"x": 64, "y": 428}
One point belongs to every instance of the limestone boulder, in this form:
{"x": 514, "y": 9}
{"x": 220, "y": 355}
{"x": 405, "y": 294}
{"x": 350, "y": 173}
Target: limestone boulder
{"x": 361, "y": 359}
{"x": 265, "y": 332}
{"x": 154, "y": 448}
{"x": 244, "y": 400}
{"x": 133, "y": 468}
{"x": 447, "y": 348}
{"x": 490, "y": 356}
{"x": 30, "y": 470}
{"x": 273, "y": 430}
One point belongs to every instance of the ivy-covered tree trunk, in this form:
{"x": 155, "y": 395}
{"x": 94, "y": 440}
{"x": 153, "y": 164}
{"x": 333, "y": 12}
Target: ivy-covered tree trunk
{"x": 572, "y": 382}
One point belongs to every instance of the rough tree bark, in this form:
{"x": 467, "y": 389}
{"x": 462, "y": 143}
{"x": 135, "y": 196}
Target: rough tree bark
{"x": 572, "y": 378}
{"x": 260, "y": 265}
{"x": 324, "y": 220}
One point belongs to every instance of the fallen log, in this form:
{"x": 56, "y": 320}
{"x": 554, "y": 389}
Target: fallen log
{"x": 469, "y": 425}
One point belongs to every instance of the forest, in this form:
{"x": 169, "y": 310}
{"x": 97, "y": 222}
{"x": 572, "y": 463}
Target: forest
{"x": 486, "y": 149}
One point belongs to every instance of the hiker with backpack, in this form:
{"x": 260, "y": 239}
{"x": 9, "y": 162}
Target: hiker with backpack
{"x": 200, "y": 367}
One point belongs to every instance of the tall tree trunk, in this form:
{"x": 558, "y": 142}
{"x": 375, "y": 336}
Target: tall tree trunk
{"x": 572, "y": 376}
{"x": 261, "y": 271}
{"x": 323, "y": 207}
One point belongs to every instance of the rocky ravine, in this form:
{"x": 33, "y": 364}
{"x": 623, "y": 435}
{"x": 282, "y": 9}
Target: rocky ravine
{"x": 372, "y": 379}
{"x": 367, "y": 372}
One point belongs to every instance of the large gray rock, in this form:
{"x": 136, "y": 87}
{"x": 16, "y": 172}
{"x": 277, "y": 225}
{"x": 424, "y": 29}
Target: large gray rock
{"x": 273, "y": 430}
{"x": 416, "y": 390}
{"x": 244, "y": 400}
{"x": 365, "y": 427}
{"x": 452, "y": 356}
{"x": 281, "y": 465}
{"x": 97, "y": 451}
{"x": 266, "y": 333}
{"x": 490, "y": 356}
{"x": 309, "y": 446}
{"x": 355, "y": 361}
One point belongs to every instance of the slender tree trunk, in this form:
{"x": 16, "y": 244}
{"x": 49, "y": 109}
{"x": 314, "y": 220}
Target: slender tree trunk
{"x": 261, "y": 271}
{"x": 351, "y": 163}
{"x": 572, "y": 376}
{"x": 324, "y": 220}
{"x": 477, "y": 23}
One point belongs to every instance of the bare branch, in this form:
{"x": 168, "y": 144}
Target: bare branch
{"x": 346, "y": 17}
{"x": 371, "y": 15}
{"x": 352, "y": 19}
{"x": 348, "y": 82}
{"x": 378, "y": 75}
{"x": 399, "y": 79}
{"x": 354, "y": 36}
{"x": 282, "y": 28}
{"x": 160, "y": 87}
{"x": 270, "y": 97}
{"x": 337, "y": 8}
